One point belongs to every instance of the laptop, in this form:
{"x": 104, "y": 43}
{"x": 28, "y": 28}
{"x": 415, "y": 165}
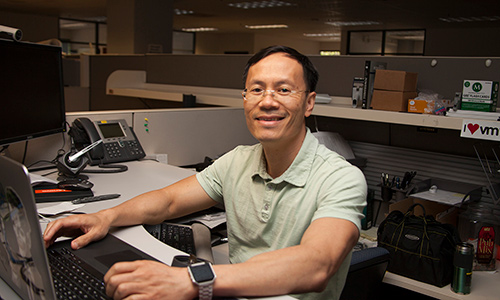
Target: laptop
{"x": 24, "y": 261}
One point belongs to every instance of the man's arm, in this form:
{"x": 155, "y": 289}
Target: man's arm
{"x": 181, "y": 198}
{"x": 299, "y": 269}
{"x": 303, "y": 268}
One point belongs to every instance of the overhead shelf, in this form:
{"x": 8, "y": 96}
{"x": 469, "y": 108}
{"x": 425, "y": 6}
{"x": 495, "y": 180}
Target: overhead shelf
{"x": 346, "y": 112}
{"x": 133, "y": 84}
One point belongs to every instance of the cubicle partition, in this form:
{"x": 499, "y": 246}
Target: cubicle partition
{"x": 185, "y": 136}
{"x": 443, "y": 75}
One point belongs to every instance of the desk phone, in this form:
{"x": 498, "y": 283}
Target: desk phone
{"x": 119, "y": 141}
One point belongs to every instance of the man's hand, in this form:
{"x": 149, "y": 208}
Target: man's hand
{"x": 144, "y": 279}
{"x": 88, "y": 228}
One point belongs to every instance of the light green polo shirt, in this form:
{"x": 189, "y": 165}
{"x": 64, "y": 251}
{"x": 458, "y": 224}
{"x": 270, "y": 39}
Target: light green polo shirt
{"x": 265, "y": 214}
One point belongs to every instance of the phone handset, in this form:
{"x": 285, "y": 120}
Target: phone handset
{"x": 84, "y": 133}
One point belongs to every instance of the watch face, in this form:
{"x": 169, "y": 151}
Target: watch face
{"x": 202, "y": 272}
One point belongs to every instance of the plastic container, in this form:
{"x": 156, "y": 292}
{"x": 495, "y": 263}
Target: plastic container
{"x": 479, "y": 226}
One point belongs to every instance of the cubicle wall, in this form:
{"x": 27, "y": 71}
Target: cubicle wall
{"x": 186, "y": 136}
{"x": 225, "y": 71}
{"x": 336, "y": 72}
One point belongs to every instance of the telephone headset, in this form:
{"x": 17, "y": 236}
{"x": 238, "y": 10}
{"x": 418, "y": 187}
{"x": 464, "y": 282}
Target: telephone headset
{"x": 100, "y": 143}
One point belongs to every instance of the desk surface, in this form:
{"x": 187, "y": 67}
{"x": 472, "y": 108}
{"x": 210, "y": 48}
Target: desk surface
{"x": 485, "y": 285}
{"x": 142, "y": 176}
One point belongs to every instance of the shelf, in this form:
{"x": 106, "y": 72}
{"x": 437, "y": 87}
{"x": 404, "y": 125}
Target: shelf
{"x": 133, "y": 84}
{"x": 346, "y": 112}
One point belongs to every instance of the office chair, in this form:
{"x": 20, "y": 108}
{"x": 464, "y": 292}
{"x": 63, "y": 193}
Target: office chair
{"x": 365, "y": 275}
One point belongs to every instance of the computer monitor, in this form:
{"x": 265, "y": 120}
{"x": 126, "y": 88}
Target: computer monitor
{"x": 31, "y": 91}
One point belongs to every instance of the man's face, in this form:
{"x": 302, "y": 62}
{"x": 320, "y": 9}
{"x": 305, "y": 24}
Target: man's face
{"x": 280, "y": 120}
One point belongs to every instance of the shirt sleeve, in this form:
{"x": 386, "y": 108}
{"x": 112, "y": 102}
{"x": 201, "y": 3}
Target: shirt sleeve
{"x": 343, "y": 196}
{"x": 211, "y": 178}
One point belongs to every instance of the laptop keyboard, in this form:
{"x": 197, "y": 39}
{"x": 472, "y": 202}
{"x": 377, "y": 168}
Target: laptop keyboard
{"x": 73, "y": 278}
{"x": 175, "y": 235}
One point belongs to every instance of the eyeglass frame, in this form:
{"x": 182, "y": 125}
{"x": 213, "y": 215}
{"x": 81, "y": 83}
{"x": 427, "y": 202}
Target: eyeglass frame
{"x": 264, "y": 92}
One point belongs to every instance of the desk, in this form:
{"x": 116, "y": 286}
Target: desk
{"x": 142, "y": 176}
{"x": 485, "y": 285}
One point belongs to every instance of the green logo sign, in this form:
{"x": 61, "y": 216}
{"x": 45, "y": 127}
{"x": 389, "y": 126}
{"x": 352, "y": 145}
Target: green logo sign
{"x": 467, "y": 84}
{"x": 477, "y": 87}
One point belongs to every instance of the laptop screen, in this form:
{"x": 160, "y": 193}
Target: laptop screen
{"x": 23, "y": 262}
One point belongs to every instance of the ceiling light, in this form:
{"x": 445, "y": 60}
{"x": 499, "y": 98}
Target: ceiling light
{"x": 183, "y": 12}
{"x": 329, "y": 34}
{"x": 329, "y": 52}
{"x": 470, "y": 19}
{"x": 199, "y": 29}
{"x": 272, "y": 26}
{"x": 260, "y": 4}
{"x": 353, "y": 23}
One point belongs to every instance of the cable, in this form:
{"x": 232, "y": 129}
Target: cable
{"x": 4, "y": 148}
{"x": 116, "y": 169}
{"x": 25, "y": 152}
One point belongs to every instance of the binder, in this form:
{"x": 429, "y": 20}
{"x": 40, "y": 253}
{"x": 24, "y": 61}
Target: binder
{"x": 369, "y": 77}
{"x": 48, "y": 192}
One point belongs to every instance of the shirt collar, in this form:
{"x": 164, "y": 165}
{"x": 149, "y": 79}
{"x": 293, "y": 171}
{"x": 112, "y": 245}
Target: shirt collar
{"x": 299, "y": 170}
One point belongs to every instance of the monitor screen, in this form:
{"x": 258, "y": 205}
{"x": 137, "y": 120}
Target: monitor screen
{"x": 31, "y": 91}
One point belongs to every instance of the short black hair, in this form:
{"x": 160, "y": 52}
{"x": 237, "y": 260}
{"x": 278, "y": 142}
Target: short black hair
{"x": 310, "y": 73}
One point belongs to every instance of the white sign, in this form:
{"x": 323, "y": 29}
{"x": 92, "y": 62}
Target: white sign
{"x": 481, "y": 129}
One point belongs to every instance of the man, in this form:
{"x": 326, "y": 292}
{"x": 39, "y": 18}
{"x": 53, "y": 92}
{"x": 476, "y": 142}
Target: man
{"x": 293, "y": 207}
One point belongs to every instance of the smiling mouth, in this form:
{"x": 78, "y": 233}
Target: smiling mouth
{"x": 269, "y": 119}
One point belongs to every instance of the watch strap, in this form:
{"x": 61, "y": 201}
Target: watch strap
{"x": 205, "y": 292}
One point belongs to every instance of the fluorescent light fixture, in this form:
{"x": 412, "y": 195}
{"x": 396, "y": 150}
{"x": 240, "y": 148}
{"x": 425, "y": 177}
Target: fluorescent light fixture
{"x": 353, "y": 23}
{"x": 183, "y": 12}
{"x": 470, "y": 19}
{"x": 260, "y": 4}
{"x": 329, "y": 52}
{"x": 327, "y": 34}
{"x": 271, "y": 26}
{"x": 199, "y": 29}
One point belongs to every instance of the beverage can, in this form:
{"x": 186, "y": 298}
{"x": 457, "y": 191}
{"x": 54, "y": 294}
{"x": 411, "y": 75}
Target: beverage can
{"x": 462, "y": 268}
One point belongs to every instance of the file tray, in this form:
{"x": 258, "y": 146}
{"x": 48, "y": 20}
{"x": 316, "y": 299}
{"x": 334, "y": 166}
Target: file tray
{"x": 438, "y": 204}
{"x": 448, "y": 191}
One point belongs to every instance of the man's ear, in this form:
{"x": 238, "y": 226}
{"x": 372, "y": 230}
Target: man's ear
{"x": 310, "y": 100}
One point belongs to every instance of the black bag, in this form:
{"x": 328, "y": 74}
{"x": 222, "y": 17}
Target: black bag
{"x": 421, "y": 248}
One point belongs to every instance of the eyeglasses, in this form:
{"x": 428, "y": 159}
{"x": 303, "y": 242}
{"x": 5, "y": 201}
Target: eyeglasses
{"x": 281, "y": 94}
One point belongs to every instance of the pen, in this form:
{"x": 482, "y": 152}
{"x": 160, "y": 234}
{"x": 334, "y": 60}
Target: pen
{"x": 95, "y": 198}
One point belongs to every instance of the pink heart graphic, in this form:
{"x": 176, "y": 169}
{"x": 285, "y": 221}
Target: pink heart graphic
{"x": 473, "y": 127}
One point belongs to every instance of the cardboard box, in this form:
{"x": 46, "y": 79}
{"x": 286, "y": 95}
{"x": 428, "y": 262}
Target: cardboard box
{"x": 443, "y": 213}
{"x": 391, "y": 100}
{"x": 427, "y": 106}
{"x": 479, "y": 95}
{"x": 391, "y": 80}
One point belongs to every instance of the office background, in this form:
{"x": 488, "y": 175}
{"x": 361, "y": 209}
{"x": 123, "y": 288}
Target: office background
{"x": 457, "y": 35}
{"x": 460, "y": 48}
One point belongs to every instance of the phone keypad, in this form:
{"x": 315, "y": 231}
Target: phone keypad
{"x": 124, "y": 149}
{"x": 113, "y": 150}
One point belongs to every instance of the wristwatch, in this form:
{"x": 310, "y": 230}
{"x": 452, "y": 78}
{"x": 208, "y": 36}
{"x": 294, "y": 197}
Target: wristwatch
{"x": 203, "y": 275}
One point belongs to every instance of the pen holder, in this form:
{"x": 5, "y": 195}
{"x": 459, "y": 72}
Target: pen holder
{"x": 399, "y": 194}
{"x": 386, "y": 193}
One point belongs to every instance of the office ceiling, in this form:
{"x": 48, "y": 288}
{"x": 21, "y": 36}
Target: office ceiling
{"x": 322, "y": 17}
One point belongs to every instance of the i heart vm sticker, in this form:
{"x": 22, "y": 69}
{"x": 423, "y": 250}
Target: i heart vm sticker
{"x": 473, "y": 127}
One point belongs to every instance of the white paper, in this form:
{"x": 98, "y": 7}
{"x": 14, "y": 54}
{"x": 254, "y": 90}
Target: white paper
{"x": 37, "y": 179}
{"x": 441, "y": 196}
{"x": 212, "y": 220}
{"x": 60, "y": 208}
